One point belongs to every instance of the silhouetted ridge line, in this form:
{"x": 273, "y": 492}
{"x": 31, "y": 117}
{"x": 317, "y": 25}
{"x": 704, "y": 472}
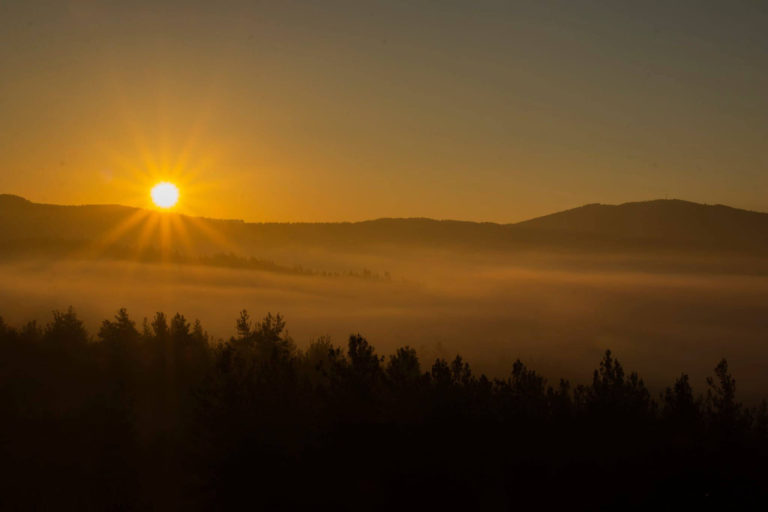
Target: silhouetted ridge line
{"x": 666, "y": 225}
{"x": 13, "y": 199}
{"x": 664, "y": 219}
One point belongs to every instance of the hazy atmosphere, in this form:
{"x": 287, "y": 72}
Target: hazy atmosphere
{"x": 383, "y": 255}
{"x": 352, "y": 110}
{"x": 670, "y": 285}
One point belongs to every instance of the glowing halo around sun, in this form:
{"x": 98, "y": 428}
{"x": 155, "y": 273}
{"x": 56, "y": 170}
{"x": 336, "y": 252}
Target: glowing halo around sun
{"x": 165, "y": 195}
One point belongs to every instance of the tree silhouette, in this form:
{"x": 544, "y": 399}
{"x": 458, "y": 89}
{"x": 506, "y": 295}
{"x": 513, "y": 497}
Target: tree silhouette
{"x": 169, "y": 418}
{"x": 721, "y": 404}
{"x": 614, "y": 394}
{"x": 120, "y": 334}
{"x": 680, "y": 406}
{"x": 403, "y": 368}
{"x": 66, "y": 327}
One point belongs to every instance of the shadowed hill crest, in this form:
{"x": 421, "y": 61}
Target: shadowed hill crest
{"x": 659, "y": 224}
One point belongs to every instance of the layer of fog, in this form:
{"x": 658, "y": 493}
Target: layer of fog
{"x": 557, "y": 319}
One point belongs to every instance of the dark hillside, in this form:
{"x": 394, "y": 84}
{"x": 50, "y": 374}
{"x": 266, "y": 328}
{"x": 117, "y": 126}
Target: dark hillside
{"x": 671, "y": 221}
{"x": 668, "y": 225}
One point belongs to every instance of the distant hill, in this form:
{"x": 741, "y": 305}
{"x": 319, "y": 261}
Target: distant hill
{"x": 673, "y": 221}
{"x": 653, "y": 225}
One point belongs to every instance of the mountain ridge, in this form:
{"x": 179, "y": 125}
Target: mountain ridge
{"x": 661, "y": 223}
{"x": 7, "y": 197}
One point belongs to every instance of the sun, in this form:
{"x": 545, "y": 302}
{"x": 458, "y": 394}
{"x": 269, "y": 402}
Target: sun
{"x": 165, "y": 194}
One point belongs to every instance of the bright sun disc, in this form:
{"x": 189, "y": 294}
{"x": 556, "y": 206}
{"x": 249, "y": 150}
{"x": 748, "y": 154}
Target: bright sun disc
{"x": 165, "y": 194}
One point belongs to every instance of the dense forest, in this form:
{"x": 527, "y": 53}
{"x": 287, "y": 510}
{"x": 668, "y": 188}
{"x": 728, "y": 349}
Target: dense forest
{"x": 157, "y": 415}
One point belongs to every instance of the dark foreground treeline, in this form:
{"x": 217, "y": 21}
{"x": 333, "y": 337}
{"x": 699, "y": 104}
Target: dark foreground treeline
{"x": 160, "y": 417}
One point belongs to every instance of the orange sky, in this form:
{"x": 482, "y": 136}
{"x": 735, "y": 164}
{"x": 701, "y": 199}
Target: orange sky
{"x": 298, "y": 111}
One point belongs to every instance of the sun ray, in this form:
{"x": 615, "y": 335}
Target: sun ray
{"x": 109, "y": 239}
{"x": 214, "y": 236}
{"x": 165, "y": 239}
{"x": 179, "y": 226}
{"x": 175, "y": 161}
{"x": 145, "y": 237}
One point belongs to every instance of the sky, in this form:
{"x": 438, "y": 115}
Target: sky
{"x": 351, "y": 110}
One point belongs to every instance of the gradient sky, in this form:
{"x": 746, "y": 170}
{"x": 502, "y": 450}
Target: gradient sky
{"x": 326, "y": 111}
